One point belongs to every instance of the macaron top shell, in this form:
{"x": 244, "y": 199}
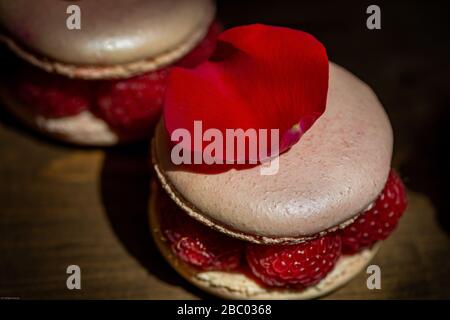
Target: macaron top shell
{"x": 112, "y": 32}
{"x": 334, "y": 172}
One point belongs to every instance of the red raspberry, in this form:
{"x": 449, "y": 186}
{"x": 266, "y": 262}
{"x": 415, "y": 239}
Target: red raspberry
{"x": 296, "y": 266}
{"x": 197, "y": 244}
{"x": 378, "y": 222}
{"x": 204, "y": 50}
{"x": 132, "y": 106}
{"x": 52, "y": 96}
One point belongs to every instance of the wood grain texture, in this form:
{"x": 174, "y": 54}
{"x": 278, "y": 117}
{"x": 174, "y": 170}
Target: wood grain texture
{"x": 62, "y": 205}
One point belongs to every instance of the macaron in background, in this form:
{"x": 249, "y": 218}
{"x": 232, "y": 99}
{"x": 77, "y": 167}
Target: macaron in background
{"x": 103, "y": 84}
{"x": 317, "y": 222}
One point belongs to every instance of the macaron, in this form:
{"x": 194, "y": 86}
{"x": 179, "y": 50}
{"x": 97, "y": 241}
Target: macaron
{"x": 103, "y": 83}
{"x": 298, "y": 234}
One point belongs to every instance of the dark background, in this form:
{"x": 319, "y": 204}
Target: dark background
{"x": 62, "y": 205}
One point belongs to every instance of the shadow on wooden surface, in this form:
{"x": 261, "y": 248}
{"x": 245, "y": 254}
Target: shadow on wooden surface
{"x": 125, "y": 190}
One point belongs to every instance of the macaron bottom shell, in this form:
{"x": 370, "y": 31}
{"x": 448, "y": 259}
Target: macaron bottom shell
{"x": 84, "y": 129}
{"x": 239, "y": 284}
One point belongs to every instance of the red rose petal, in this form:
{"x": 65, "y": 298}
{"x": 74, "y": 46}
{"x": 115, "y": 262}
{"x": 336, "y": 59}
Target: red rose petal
{"x": 260, "y": 77}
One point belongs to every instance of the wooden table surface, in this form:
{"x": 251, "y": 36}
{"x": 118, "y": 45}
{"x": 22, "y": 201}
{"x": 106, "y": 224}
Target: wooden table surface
{"x": 62, "y": 205}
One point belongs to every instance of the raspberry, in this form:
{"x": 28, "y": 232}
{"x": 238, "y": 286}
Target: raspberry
{"x": 51, "y": 95}
{"x": 195, "y": 243}
{"x": 296, "y": 266}
{"x": 204, "y": 50}
{"x": 132, "y": 105}
{"x": 378, "y": 222}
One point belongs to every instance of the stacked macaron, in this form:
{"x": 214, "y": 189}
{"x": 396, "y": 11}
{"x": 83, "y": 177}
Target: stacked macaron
{"x": 299, "y": 233}
{"x": 305, "y": 230}
{"x": 103, "y": 83}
